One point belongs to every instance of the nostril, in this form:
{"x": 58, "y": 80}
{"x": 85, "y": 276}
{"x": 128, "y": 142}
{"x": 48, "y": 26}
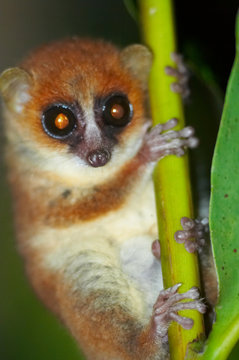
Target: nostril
{"x": 98, "y": 157}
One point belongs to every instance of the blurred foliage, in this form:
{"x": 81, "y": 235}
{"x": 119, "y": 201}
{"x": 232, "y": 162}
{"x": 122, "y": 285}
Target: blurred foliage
{"x": 27, "y": 330}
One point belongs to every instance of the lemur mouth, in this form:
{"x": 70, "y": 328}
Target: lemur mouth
{"x": 98, "y": 157}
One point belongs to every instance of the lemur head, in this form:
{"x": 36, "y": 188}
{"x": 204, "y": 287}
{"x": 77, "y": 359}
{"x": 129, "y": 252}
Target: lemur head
{"x": 78, "y": 99}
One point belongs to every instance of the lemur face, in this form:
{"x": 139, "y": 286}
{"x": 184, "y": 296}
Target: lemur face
{"x": 90, "y": 130}
{"x": 76, "y": 99}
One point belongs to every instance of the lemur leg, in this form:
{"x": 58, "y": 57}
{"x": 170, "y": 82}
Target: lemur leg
{"x": 197, "y": 230}
{"x": 101, "y": 304}
{"x": 156, "y": 249}
{"x": 192, "y": 229}
{"x": 98, "y": 301}
{"x": 167, "y": 306}
{"x": 181, "y": 73}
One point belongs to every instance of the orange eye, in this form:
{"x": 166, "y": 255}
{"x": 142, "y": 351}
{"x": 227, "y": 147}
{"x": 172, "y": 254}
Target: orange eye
{"x": 61, "y": 121}
{"x": 117, "y": 111}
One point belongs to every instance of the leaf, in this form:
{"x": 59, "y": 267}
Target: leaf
{"x": 131, "y": 6}
{"x": 224, "y": 222}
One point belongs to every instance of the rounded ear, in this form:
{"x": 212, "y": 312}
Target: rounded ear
{"x": 14, "y": 88}
{"x": 138, "y": 60}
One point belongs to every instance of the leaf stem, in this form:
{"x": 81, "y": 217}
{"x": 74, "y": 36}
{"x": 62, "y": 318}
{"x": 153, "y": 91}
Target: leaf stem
{"x": 172, "y": 185}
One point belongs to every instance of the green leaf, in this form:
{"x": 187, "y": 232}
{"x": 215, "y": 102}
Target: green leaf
{"x": 131, "y": 6}
{"x": 224, "y": 222}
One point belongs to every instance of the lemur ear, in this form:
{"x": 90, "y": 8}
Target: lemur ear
{"x": 14, "y": 88}
{"x": 138, "y": 60}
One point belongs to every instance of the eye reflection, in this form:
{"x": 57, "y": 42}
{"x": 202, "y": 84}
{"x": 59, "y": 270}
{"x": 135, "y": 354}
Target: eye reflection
{"x": 59, "y": 121}
{"x": 117, "y": 110}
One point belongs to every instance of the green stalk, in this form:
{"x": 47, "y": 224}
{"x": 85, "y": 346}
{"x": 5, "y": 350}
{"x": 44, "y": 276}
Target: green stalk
{"x": 172, "y": 185}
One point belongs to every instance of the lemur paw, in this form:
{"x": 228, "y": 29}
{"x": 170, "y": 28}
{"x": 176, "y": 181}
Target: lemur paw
{"x": 156, "y": 249}
{"x": 157, "y": 145}
{"x": 181, "y": 73}
{"x": 169, "y": 303}
{"x": 192, "y": 229}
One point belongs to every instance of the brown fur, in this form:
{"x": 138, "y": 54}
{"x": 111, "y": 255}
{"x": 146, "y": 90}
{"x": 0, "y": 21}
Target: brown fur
{"x": 54, "y": 82}
{"x": 84, "y": 278}
{"x": 77, "y": 71}
{"x": 128, "y": 339}
{"x": 52, "y": 208}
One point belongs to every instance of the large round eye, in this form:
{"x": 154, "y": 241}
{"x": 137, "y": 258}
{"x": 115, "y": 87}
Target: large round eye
{"x": 58, "y": 121}
{"x": 117, "y": 110}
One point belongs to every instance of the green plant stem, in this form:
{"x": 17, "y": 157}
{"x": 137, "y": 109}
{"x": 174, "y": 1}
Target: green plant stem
{"x": 172, "y": 186}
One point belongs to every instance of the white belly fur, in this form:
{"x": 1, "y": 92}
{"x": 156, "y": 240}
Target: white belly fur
{"x": 125, "y": 236}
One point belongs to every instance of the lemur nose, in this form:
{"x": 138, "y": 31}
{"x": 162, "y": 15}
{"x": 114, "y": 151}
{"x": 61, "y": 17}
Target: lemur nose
{"x": 98, "y": 157}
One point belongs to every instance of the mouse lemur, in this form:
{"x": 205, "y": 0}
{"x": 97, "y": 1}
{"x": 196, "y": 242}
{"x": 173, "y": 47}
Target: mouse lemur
{"x": 80, "y": 153}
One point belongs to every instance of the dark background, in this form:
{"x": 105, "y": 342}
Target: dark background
{"x": 205, "y": 36}
{"x": 208, "y": 26}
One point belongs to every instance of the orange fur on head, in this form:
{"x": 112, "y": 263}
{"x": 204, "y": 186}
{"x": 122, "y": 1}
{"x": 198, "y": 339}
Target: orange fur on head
{"x": 73, "y": 71}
